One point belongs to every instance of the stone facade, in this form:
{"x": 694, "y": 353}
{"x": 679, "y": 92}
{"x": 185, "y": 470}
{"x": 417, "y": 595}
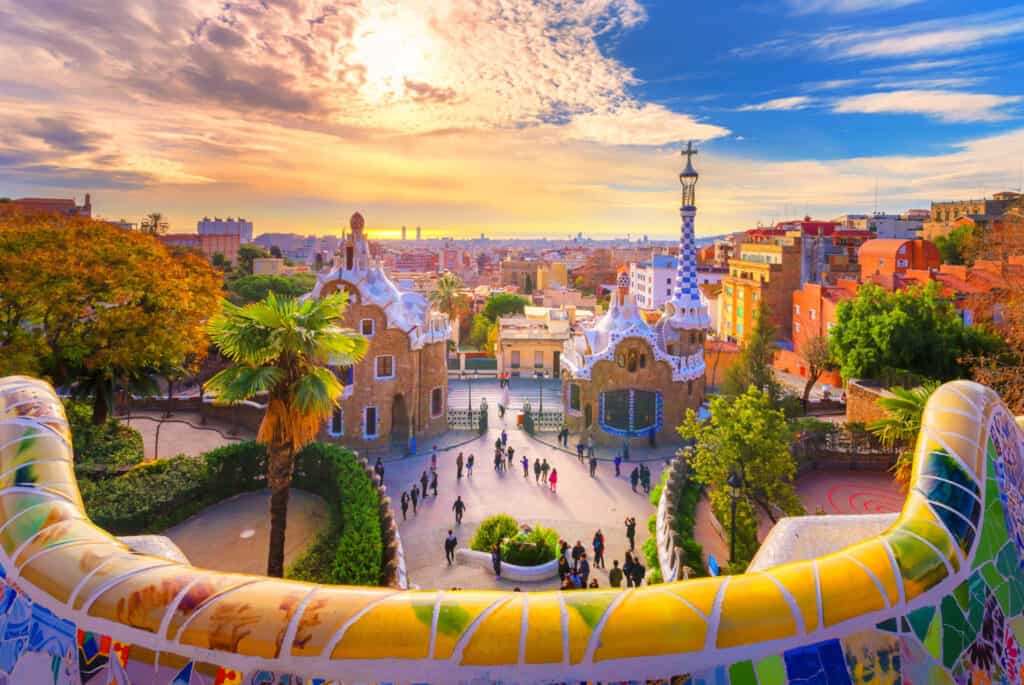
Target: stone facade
{"x": 653, "y": 376}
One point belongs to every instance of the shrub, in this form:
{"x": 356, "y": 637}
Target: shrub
{"x": 493, "y": 530}
{"x": 537, "y": 547}
{"x": 683, "y": 523}
{"x": 111, "y": 445}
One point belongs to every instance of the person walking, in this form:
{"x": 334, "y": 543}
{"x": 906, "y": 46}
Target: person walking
{"x": 424, "y": 481}
{"x": 433, "y": 483}
{"x": 631, "y": 532}
{"x": 615, "y": 575}
{"x": 449, "y": 547}
{"x": 584, "y": 569}
{"x": 638, "y": 573}
{"x": 536, "y": 470}
{"x": 598, "y": 545}
{"x": 433, "y": 459}
{"x": 459, "y": 461}
{"x": 525, "y": 461}
{"x": 497, "y": 443}
{"x": 469, "y": 466}
{"x": 458, "y": 508}
{"x": 405, "y": 504}
{"x": 563, "y": 568}
{"x": 415, "y": 497}
{"x": 496, "y": 559}
{"x": 627, "y": 569}
{"x": 578, "y": 550}
{"x": 618, "y": 465}
{"x": 645, "y": 478}
{"x": 544, "y": 468}
{"x": 579, "y": 450}
{"x": 590, "y": 446}
{"x": 499, "y": 460}
{"x": 504, "y": 437}
{"x": 593, "y": 467}
{"x": 378, "y": 468}
{"x": 510, "y": 453}
{"x": 553, "y": 480}
{"x": 634, "y": 478}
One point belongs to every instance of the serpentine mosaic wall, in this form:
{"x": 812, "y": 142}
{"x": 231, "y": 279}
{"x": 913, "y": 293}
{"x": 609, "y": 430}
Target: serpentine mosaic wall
{"x": 938, "y": 598}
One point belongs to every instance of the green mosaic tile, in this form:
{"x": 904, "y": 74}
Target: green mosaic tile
{"x": 920, "y": 619}
{"x": 956, "y": 633}
{"x": 1017, "y": 626}
{"x": 962, "y": 594}
{"x": 888, "y": 625}
{"x": 742, "y": 673}
{"x": 993, "y": 529}
{"x": 771, "y": 671}
{"x": 933, "y": 640}
{"x": 991, "y": 575}
{"x": 979, "y": 593}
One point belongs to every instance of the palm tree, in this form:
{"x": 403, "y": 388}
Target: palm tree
{"x": 281, "y": 347}
{"x": 446, "y": 292}
{"x": 900, "y": 428}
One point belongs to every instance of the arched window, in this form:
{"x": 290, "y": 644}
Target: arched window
{"x": 632, "y": 360}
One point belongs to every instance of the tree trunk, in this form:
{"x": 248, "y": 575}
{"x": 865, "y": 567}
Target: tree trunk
{"x": 100, "y": 409}
{"x": 280, "y": 462}
{"x": 812, "y": 378}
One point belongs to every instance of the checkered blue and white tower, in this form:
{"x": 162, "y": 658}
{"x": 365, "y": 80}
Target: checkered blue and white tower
{"x": 688, "y": 311}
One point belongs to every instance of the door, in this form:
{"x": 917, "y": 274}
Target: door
{"x": 399, "y": 421}
{"x": 556, "y": 360}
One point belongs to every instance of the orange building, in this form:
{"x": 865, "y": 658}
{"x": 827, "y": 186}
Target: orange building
{"x": 209, "y": 245}
{"x": 814, "y": 314}
{"x": 888, "y": 258}
{"x": 49, "y": 205}
{"x": 767, "y": 267}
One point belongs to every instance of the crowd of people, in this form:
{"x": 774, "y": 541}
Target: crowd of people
{"x": 574, "y": 565}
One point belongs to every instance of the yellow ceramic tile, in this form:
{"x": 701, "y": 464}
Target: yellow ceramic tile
{"x": 754, "y": 610}
{"x": 670, "y": 627}
{"x": 250, "y": 621}
{"x": 45, "y": 472}
{"x": 326, "y": 612}
{"x": 495, "y": 642}
{"x": 117, "y": 566}
{"x": 203, "y": 591}
{"x": 404, "y": 617}
{"x": 585, "y": 610}
{"x": 39, "y": 512}
{"x": 919, "y": 519}
{"x": 919, "y": 565}
{"x": 142, "y": 601}
{"x": 544, "y": 639}
{"x": 798, "y": 579}
{"x": 62, "y": 532}
{"x": 873, "y": 555}
{"x": 457, "y": 611}
{"x": 700, "y": 592}
{"x": 56, "y": 573}
{"x": 846, "y": 590}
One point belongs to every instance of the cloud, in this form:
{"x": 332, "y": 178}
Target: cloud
{"x": 644, "y": 125}
{"x": 944, "y": 105}
{"x": 779, "y": 104}
{"x": 846, "y": 6}
{"x": 63, "y": 134}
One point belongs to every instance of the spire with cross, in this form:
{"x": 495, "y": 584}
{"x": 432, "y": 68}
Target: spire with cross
{"x": 688, "y": 176}
{"x": 688, "y": 310}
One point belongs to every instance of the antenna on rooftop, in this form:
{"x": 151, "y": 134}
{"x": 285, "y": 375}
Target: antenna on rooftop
{"x": 876, "y": 195}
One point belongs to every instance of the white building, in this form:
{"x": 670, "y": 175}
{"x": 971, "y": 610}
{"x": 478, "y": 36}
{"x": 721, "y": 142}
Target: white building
{"x": 885, "y": 226}
{"x": 651, "y": 282}
{"x": 229, "y": 226}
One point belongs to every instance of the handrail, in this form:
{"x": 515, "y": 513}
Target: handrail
{"x": 172, "y": 615}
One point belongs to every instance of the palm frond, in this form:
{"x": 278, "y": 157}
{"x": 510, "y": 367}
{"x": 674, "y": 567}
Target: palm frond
{"x": 316, "y": 392}
{"x": 237, "y": 383}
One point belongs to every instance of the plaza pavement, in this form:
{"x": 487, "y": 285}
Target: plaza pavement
{"x": 177, "y": 437}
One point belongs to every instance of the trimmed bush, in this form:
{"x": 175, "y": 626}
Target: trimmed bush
{"x": 154, "y": 496}
{"x": 493, "y": 530}
{"x": 110, "y": 445}
{"x": 537, "y": 547}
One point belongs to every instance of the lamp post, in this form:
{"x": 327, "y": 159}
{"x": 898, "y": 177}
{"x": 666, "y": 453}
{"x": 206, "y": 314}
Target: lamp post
{"x": 734, "y": 484}
{"x": 540, "y": 387}
{"x": 469, "y": 402}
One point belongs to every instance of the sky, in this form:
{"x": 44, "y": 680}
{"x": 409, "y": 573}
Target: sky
{"x": 508, "y": 117}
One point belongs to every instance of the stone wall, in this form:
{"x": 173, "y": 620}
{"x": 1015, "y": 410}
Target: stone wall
{"x": 861, "y": 401}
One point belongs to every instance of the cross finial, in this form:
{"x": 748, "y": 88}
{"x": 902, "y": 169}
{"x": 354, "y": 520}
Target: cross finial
{"x": 689, "y": 152}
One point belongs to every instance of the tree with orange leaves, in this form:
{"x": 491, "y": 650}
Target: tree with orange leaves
{"x": 87, "y": 304}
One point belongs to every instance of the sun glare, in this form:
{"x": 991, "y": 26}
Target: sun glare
{"x": 396, "y": 48}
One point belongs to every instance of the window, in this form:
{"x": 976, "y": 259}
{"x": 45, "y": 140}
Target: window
{"x": 630, "y": 411}
{"x": 370, "y": 422}
{"x": 574, "y": 396}
{"x": 689, "y": 388}
{"x": 739, "y": 327}
{"x": 515, "y": 359}
{"x": 385, "y": 366}
{"x": 796, "y": 326}
{"x": 668, "y": 281}
{"x": 813, "y": 313}
{"x": 366, "y": 327}
{"x": 436, "y": 402}
{"x": 796, "y": 310}
{"x": 902, "y": 263}
{"x": 538, "y": 359}
{"x": 643, "y": 361}
{"x": 336, "y": 427}
{"x": 632, "y": 360}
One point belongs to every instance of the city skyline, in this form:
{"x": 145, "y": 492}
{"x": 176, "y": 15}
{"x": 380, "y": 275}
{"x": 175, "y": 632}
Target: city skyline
{"x": 532, "y": 118}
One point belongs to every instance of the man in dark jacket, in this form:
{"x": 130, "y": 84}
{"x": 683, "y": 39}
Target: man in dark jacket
{"x": 449, "y": 547}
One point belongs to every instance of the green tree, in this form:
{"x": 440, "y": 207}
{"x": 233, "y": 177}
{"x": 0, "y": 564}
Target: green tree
{"x": 503, "y": 304}
{"x": 901, "y": 425}
{"x": 220, "y": 261}
{"x": 282, "y": 347}
{"x": 815, "y": 351}
{"x": 254, "y": 288}
{"x": 960, "y": 245}
{"x": 275, "y": 251}
{"x": 479, "y": 333}
{"x": 247, "y": 253}
{"x": 745, "y": 436}
{"x": 754, "y": 366}
{"x": 917, "y": 331}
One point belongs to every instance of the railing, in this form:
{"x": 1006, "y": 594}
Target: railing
{"x": 464, "y": 419}
{"x": 547, "y": 421}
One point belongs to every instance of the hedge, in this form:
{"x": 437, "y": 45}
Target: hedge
{"x": 156, "y": 495}
{"x": 493, "y": 530}
{"x": 684, "y": 523}
{"x": 111, "y": 444}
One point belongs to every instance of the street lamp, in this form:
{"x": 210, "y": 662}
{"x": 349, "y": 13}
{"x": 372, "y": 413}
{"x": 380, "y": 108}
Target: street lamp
{"x": 734, "y": 484}
{"x": 469, "y": 403}
{"x": 540, "y": 385}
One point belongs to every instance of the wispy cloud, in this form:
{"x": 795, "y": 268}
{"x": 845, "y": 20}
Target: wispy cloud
{"x": 930, "y": 83}
{"x": 833, "y": 84}
{"x": 779, "y": 104}
{"x": 944, "y": 105}
{"x": 846, "y": 6}
{"x": 920, "y": 65}
{"x": 645, "y": 125}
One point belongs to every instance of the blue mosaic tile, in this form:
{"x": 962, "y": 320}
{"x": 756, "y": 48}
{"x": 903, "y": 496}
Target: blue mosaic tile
{"x": 819, "y": 664}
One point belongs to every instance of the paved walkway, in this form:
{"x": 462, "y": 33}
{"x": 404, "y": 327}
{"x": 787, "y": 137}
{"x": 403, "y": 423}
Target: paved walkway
{"x": 850, "y": 492}
{"x": 465, "y": 392}
{"x": 581, "y": 506}
{"x": 233, "y": 535}
{"x": 177, "y": 436}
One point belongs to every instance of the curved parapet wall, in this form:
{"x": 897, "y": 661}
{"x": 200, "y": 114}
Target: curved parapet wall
{"x": 937, "y": 598}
